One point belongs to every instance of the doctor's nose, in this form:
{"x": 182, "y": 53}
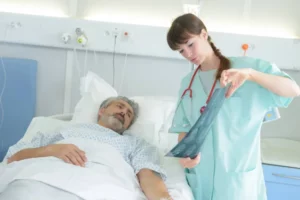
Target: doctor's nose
{"x": 188, "y": 54}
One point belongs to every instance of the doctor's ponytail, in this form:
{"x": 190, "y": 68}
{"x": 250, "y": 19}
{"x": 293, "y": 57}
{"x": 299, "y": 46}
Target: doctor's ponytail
{"x": 225, "y": 62}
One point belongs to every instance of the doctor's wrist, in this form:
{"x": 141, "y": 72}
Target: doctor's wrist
{"x": 166, "y": 198}
{"x": 251, "y": 74}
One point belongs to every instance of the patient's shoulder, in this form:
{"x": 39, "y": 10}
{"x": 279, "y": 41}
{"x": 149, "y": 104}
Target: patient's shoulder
{"x": 138, "y": 140}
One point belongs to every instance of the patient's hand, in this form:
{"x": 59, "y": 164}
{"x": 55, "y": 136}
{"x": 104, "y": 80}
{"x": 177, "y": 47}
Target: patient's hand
{"x": 68, "y": 152}
{"x": 190, "y": 163}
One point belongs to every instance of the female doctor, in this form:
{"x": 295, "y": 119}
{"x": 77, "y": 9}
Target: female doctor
{"x": 230, "y": 167}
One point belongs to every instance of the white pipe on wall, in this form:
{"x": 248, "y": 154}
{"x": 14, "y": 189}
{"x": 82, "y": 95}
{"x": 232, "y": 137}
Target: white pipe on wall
{"x": 68, "y": 82}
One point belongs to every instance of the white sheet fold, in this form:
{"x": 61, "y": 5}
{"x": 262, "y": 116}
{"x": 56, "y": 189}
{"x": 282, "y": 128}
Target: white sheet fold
{"x": 106, "y": 175}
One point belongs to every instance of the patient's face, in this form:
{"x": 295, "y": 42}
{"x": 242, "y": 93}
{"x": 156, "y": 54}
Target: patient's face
{"x": 117, "y": 116}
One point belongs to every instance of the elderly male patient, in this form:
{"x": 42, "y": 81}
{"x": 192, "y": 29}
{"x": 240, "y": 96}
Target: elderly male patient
{"x": 61, "y": 151}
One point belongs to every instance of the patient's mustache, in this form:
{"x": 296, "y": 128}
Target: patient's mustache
{"x": 119, "y": 116}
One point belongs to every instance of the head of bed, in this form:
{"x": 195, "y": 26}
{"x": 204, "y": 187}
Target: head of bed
{"x": 17, "y": 99}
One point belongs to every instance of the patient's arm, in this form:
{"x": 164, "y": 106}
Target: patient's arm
{"x": 145, "y": 160}
{"x": 27, "y": 153}
{"x": 152, "y": 185}
{"x": 67, "y": 152}
{"x": 39, "y": 140}
{"x": 42, "y": 145}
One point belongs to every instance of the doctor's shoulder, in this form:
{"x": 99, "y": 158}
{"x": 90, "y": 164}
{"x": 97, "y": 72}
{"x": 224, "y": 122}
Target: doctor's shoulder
{"x": 249, "y": 62}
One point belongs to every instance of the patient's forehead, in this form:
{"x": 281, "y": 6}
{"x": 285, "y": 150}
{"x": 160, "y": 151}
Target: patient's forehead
{"x": 123, "y": 103}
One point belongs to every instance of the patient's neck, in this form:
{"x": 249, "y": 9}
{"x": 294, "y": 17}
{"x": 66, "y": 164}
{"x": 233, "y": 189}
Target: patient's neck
{"x": 101, "y": 123}
{"x": 105, "y": 125}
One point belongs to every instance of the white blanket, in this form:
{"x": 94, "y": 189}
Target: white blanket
{"x": 106, "y": 175}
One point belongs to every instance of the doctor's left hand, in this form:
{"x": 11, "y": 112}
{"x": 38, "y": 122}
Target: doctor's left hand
{"x": 190, "y": 163}
{"x": 236, "y": 77}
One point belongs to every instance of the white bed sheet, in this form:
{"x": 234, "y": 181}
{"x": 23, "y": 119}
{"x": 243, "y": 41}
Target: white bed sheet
{"x": 176, "y": 181}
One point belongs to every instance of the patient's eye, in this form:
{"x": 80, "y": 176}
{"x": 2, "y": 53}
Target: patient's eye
{"x": 190, "y": 45}
{"x": 181, "y": 51}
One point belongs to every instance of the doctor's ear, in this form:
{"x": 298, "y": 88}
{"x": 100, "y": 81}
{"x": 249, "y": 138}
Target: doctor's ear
{"x": 204, "y": 34}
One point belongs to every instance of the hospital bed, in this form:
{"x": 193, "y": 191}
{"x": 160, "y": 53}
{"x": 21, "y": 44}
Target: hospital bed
{"x": 152, "y": 125}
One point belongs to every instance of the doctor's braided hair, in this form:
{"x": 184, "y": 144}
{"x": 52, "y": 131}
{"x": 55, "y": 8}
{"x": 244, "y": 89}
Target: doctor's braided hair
{"x": 182, "y": 29}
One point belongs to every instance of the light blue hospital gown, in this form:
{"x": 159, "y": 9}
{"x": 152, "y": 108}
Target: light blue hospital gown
{"x": 135, "y": 151}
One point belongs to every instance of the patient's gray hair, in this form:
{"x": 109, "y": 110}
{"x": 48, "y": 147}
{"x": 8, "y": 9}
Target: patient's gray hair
{"x": 133, "y": 104}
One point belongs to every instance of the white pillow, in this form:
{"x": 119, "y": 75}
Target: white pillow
{"x": 94, "y": 91}
{"x": 86, "y": 110}
{"x": 153, "y": 109}
{"x": 145, "y": 130}
{"x": 92, "y": 81}
{"x": 153, "y": 113}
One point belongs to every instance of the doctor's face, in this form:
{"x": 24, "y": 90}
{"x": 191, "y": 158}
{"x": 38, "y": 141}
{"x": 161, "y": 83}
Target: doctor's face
{"x": 196, "y": 49}
{"x": 117, "y": 116}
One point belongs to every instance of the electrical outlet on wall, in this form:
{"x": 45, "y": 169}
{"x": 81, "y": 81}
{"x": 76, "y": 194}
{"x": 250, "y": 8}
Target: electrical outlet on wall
{"x": 116, "y": 32}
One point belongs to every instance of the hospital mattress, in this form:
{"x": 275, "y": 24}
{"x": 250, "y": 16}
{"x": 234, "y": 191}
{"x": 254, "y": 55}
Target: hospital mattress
{"x": 280, "y": 152}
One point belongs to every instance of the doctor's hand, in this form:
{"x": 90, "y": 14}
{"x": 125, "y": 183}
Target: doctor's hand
{"x": 190, "y": 163}
{"x": 236, "y": 77}
{"x": 68, "y": 153}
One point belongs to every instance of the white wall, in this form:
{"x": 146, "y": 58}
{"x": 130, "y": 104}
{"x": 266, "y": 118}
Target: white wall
{"x": 143, "y": 40}
{"x": 150, "y": 63}
{"x": 142, "y": 75}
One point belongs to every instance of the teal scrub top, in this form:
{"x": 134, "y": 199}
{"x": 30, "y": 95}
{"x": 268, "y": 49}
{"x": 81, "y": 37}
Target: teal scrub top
{"x": 230, "y": 166}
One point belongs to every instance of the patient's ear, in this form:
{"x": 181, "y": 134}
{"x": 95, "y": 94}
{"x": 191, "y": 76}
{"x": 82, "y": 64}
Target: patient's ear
{"x": 101, "y": 111}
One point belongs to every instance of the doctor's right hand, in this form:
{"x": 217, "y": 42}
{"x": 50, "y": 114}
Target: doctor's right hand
{"x": 68, "y": 153}
{"x": 190, "y": 163}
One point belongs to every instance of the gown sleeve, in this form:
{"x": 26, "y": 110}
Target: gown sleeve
{"x": 271, "y": 99}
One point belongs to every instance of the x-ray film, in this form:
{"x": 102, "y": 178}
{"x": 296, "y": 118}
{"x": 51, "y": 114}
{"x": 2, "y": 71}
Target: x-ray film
{"x": 191, "y": 144}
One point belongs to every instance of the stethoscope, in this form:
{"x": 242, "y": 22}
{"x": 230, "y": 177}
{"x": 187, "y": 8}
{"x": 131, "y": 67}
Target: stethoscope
{"x": 189, "y": 89}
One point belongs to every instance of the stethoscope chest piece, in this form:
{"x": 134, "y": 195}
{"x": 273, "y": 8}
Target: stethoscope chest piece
{"x": 202, "y": 109}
